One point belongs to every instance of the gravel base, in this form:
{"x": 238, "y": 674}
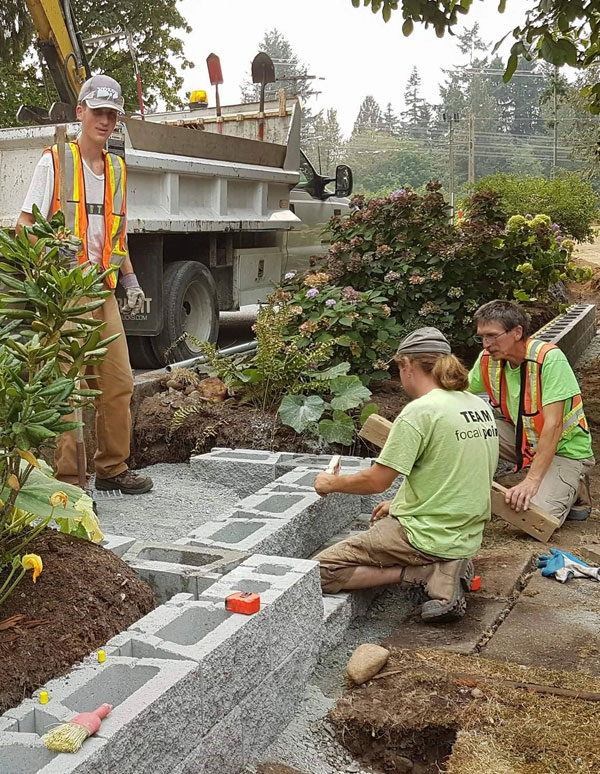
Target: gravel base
{"x": 591, "y": 353}
{"x": 179, "y": 502}
{"x": 307, "y": 744}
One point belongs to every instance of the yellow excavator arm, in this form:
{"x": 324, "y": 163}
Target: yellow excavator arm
{"x": 60, "y": 43}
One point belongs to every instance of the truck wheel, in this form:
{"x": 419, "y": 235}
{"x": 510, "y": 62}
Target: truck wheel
{"x": 141, "y": 352}
{"x": 190, "y": 305}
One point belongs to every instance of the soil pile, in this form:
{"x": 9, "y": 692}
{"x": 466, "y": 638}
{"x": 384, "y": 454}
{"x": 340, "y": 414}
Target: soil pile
{"x": 464, "y": 715}
{"x": 84, "y": 596}
{"x": 163, "y": 434}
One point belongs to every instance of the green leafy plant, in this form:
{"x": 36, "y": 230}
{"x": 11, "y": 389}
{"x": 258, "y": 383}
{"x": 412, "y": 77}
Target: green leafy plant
{"x": 47, "y": 338}
{"x": 335, "y": 421}
{"x": 568, "y": 200}
{"x": 398, "y": 262}
{"x": 358, "y": 326}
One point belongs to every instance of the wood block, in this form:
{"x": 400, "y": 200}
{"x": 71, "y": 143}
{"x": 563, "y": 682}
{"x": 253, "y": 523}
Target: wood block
{"x": 536, "y": 522}
{"x": 376, "y": 430}
{"x": 590, "y": 553}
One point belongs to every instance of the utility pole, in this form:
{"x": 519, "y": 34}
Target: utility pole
{"x": 471, "y": 149}
{"x": 554, "y": 124}
{"x": 451, "y": 119}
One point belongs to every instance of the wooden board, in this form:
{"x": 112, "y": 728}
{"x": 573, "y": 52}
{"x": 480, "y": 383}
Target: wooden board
{"x": 183, "y": 141}
{"x": 534, "y": 521}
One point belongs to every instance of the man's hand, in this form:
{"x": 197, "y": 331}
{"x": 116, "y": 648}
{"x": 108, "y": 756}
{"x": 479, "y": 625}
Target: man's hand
{"x": 380, "y": 511}
{"x": 324, "y": 484}
{"x": 135, "y": 301}
{"x": 519, "y": 496}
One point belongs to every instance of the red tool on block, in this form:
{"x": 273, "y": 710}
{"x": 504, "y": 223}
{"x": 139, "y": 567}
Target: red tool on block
{"x": 245, "y": 602}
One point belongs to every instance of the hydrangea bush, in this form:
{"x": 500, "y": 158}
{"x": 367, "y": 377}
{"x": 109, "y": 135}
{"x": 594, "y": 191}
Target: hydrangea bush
{"x": 399, "y": 262}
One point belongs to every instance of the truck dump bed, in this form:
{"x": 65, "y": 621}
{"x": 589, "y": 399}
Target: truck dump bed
{"x": 181, "y": 178}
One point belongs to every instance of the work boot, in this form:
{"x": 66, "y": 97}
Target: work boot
{"x": 446, "y": 588}
{"x": 416, "y": 579}
{"x": 582, "y": 508}
{"x": 128, "y": 482}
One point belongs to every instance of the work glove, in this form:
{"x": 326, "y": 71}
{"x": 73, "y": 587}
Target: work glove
{"x": 134, "y": 301}
{"x": 564, "y": 566}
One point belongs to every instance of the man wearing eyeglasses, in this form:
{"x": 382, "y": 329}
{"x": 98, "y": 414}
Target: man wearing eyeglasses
{"x": 539, "y": 412}
{"x": 96, "y": 210}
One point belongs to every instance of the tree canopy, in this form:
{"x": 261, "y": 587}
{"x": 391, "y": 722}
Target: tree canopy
{"x": 556, "y": 31}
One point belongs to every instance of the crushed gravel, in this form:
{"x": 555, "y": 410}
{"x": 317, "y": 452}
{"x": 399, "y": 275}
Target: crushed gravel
{"x": 178, "y": 503}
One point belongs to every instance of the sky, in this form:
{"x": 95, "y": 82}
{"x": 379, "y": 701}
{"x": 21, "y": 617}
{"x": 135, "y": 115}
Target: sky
{"x": 352, "y": 48}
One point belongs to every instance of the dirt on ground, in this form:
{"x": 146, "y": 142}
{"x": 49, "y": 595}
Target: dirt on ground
{"x": 230, "y": 424}
{"x": 468, "y": 715}
{"x": 83, "y": 597}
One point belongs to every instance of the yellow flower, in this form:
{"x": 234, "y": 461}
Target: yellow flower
{"x": 32, "y": 562}
{"x": 58, "y": 498}
{"x": 28, "y": 457}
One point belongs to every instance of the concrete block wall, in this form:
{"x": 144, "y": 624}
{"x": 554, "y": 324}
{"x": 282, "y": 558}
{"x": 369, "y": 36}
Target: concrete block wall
{"x": 244, "y": 470}
{"x": 294, "y": 523}
{"x": 571, "y": 331}
{"x": 171, "y": 569}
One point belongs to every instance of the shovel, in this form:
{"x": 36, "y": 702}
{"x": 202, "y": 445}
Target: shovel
{"x": 216, "y": 78}
{"x": 263, "y": 72}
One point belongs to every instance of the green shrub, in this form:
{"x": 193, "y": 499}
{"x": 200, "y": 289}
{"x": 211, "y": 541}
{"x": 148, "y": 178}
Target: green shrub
{"x": 46, "y": 340}
{"x": 398, "y": 263}
{"x": 569, "y": 201}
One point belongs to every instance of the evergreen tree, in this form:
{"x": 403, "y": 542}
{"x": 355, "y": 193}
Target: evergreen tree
{"x": 325, "y": 145}
{"x": 389, "y": 121}
{"x": 369, "y": 116}
{"x": 413, "y": 115}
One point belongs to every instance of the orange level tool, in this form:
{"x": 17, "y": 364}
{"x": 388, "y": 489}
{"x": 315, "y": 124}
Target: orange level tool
{"x": 476, "y": 583}
{"x": 245, "y": 602}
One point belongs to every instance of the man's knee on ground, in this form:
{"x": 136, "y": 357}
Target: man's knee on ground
{"x": 334, "y": 579}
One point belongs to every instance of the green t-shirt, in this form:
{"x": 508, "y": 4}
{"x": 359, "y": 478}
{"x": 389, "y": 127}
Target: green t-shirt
{"x": 446, "y": 445}
{"x": 558, "y": 383}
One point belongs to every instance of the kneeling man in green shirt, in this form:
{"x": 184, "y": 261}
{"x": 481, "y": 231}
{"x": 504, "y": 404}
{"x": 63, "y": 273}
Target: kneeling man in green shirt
{"x": 539, "y": 412}
{"x": 445, "y": 444}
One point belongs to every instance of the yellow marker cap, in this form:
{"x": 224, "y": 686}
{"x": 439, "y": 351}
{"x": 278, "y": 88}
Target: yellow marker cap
{"x": 43, "y": 697}
{"x": 101, "y": 656}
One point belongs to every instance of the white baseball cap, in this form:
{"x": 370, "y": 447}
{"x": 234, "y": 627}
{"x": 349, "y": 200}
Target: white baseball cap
{"x": 102, "y": 91}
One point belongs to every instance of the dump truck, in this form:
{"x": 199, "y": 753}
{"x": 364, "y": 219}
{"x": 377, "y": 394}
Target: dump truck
{"x": 215, "y": 215}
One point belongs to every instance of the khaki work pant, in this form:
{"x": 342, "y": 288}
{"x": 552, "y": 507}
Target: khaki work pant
{"x": 560, "y": 486}
{"x": 113, "y": 421}
{"x": 384, "y": 544}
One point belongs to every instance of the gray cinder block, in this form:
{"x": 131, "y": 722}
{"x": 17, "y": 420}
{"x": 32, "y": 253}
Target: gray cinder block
{"x": 293, "y": 601}
{"x": 172, "y": 568}
{"x": 244, "y": 470}
{"x": 118, "y": 544}
{"x": 25, "y": 753}
{"x": 220, "y": 751}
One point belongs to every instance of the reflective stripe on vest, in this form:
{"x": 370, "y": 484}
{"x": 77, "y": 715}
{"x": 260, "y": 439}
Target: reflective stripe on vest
{"x": 531, "y": 417}
{"x": 76, "y": 218}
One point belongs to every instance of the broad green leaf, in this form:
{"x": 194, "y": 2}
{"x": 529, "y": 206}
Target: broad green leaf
{"x": 339, "y": 429}
{"x": 349, "y": 392}
{"x": 300, "y": 411}
{"x": 341, "y": 369}
{"x": 370, "y": 408}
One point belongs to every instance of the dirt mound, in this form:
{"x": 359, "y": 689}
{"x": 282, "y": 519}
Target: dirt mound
{"x": 84, "y": 596}
{"x": 232, "y": 424}
{"x": 470, "y": 715}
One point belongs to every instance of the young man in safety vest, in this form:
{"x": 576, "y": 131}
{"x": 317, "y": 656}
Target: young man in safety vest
{"x": 539, "y": 412}
{"x": 96, "y": 211}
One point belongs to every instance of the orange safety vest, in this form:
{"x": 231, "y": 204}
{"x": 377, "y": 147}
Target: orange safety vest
{"x": 115, "y": 206}
{"x": 530, "y": 421}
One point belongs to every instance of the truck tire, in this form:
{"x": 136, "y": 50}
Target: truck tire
{"x": 190, "y": 305}
{"x": 141, "y": 352}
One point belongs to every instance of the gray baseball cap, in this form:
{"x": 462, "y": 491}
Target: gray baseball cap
{"x": 102, "y": 91}
{"x": 424, "y": 341}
